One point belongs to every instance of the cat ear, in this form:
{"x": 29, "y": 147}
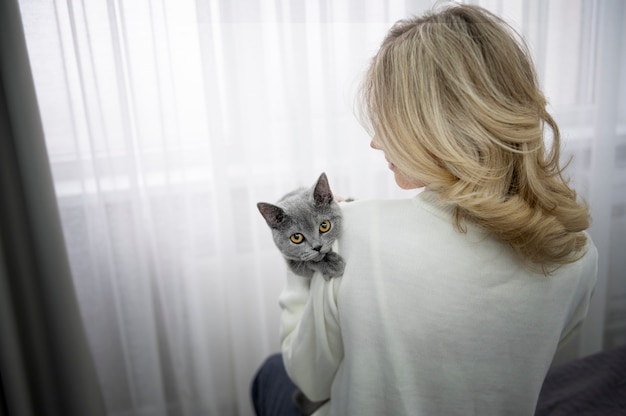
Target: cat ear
{"x": 273, "y": 215}
{"x": 322, "y": 193}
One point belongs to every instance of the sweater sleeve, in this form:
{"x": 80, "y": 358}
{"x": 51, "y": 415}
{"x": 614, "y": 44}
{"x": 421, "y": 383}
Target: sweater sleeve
{"x": 310, "y": 334}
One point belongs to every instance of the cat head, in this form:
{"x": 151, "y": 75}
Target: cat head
{"x": 304, "y": 223}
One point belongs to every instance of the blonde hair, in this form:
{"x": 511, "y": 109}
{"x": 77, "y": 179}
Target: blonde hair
{"x": 454, "y": 99}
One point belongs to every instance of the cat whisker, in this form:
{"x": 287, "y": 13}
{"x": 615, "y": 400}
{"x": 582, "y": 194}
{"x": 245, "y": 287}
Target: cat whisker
{"x": 308, "y": 256}
{"x": 314, "y": 256}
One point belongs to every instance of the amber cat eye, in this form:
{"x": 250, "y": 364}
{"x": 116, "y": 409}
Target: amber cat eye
{"x": 325, "y": 226}
{"x": 296, "y": 238}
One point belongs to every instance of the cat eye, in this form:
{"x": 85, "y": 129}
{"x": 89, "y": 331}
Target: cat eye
{"x": 325, "y": 226}
{"x": 296, "y": 238}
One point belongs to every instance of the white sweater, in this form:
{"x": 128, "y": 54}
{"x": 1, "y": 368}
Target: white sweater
{"x": 427, "y": 320}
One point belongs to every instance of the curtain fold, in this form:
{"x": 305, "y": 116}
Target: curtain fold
{"x": 45, "y": 362}
{"x": 166, "y": 121}
{"x": 604, "y": 173}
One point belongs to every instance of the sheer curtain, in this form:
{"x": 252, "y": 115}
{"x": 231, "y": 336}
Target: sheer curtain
{"x": 166, "y": 121}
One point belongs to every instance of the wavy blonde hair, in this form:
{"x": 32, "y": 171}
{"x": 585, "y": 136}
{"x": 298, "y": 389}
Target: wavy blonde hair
{"x": 454, "y": 99}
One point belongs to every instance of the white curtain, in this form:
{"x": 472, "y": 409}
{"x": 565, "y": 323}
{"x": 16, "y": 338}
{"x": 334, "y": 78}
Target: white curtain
{"x": 167, "y": 120}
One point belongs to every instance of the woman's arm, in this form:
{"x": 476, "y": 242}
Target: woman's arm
{"x": 310, "y": 333}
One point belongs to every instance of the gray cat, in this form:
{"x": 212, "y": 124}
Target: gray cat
{"x": 305, "y": 223}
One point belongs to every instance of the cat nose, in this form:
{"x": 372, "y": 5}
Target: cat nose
{"x": 317, "y": 248}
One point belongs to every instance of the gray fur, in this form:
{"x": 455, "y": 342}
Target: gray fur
{"x": 301, "y": 212}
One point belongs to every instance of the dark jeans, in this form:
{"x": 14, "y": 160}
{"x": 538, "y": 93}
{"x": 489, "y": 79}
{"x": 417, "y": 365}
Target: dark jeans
{"x": 592, "y": 385}
{"x": 272, "y": 390}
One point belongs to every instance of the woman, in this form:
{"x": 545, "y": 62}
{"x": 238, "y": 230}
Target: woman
{"x": 455, "y": 301}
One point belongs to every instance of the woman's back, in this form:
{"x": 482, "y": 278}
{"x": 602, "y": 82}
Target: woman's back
{"x": 435, "y": 321}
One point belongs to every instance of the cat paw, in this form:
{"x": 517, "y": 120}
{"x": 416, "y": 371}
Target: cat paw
{"x": 334, "y": 265}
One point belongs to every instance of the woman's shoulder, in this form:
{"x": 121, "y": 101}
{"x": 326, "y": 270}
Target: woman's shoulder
{"x": 425, "y": 201}
{"x": 369, "y": 208}
{"x": 357, "y": 205}
{"x": 589, "y": 259}
{"x": 368, "y": 204}
{"x": 393, "y": 217}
